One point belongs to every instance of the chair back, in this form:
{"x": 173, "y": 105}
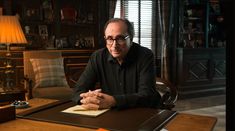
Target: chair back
{"x": 168, "y": 92}
{"x": 28, "y": 68}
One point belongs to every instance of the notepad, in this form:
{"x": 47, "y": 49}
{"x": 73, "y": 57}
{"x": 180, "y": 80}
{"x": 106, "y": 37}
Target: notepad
{"x": 78, "y": 109}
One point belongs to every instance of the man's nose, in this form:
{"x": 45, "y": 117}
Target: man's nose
{"x": 115, "y": 44}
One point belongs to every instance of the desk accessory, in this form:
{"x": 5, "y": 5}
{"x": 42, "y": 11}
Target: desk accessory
{"x": 20, "y": 104}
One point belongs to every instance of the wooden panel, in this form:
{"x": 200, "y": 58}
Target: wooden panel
{"x": 200, "y": 72}
{"x": 75, "y": 63}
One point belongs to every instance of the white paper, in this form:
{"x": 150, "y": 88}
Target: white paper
{"x": 78, "y": 109}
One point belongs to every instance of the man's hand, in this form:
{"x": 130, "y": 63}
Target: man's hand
{"x": 96, "y": 100}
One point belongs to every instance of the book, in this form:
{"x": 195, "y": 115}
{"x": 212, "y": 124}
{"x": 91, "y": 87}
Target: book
{"x": 78, "y": 109}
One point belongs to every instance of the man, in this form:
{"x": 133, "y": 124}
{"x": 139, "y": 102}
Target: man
{"x": 124, "y": 69}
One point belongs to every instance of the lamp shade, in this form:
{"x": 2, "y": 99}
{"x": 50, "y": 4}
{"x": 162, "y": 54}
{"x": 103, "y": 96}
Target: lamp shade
{"x": 11, "y": 31}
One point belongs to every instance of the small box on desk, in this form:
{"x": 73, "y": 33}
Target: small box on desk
{"x": 7, "y": 113}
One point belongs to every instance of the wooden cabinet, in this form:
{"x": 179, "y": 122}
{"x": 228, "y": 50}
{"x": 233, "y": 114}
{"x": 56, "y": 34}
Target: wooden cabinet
{"x": 201, "y": 24}
{"x": 201, "y": 72}
{"x": 201, "y": 53}
{"x": 193, "y": 25}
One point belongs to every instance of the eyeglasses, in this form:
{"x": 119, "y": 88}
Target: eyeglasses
{"x": 119, "y": 39}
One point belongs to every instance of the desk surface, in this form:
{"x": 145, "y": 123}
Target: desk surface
{"x": 182, "y": 122}
{"x": 189, "y": 122}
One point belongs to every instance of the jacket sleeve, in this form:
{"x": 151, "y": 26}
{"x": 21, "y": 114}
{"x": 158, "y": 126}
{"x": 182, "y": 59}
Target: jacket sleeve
{"x": 86, "y": 81}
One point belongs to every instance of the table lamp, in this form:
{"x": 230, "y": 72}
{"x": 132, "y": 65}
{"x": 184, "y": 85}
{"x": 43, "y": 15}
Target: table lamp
{"x": 10, "y": 33}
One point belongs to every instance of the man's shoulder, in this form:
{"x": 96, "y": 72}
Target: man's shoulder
{"x": 142, "y": 50}
{"x": 99, "y": 53}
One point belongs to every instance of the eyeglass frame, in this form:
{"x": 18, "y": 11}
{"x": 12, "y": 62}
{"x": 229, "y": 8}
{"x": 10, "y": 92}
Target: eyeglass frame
{"x": 119, "y": 41}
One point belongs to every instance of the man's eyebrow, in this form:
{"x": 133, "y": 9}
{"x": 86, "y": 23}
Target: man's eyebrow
{"x": 116, "y": 36}
{"x": 108, "y": 36}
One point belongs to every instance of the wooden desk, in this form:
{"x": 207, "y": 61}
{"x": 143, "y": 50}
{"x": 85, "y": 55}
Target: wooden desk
{"x": 182, "y": 122}
{"x": 189, "y": 122}
{"x": 35, "y": 103}
{"x": 31, "y": 125}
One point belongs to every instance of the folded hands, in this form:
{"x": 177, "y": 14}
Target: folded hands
{"x": 95, "y": 100}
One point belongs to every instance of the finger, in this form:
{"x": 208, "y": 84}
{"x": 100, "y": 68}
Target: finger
{"x": 90, "y": 106}
{"x": 97, "y": 90}
{"x": 93, "y": 93}
{"x": 84, "y": 94}
{"x": 93, "y": 100}
{"x": 90, "y": 93}
{"x": 100, "y": 95}
{"x": 87, "y": 94}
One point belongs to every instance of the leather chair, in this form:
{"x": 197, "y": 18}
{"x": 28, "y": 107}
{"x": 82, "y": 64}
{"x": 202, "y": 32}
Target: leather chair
{"x": 64, "y": 92}
{"x": 168, "y": 93}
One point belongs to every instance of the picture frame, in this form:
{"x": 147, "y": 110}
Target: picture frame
{"x": 50, "y": 42}
{"x": 61, "y": 43}
{"x": 68, "y": 14}
{"x": 85, "y": 42}
{"x": 47, "y": 9}
{"x": 43, "y": 31}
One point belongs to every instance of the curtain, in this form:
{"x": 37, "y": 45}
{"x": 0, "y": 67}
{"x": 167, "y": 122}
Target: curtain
{"x": 166, "y": 12}
{"x": 112, "y": 7}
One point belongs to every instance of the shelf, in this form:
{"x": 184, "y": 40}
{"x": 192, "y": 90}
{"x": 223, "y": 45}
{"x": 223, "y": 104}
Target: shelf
{"x": 200, "y": 33}
{"x": 78, "y": 24}
{"x": 37, "y": 22}
{"x": 195, "y": 6}
{"x": 193, "y": 18}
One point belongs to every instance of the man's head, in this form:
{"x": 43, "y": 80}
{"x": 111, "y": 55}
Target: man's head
{"x": 119, "y": 34}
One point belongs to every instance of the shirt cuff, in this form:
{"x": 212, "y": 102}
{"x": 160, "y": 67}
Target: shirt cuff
{"x": 120, "y": 101}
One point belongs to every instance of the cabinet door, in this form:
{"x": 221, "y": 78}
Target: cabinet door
{"x": 201, "y": 24}
{"x": 216, "y": 26}
{"x": 193, "y": 24}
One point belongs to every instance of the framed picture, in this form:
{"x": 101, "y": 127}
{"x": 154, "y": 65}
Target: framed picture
{"x": 47, "y": 8}
{"x": 68, "y": 14}
{"x": 43, "y": 32}
{"x": 85, "y": 42}
{"x": 50, "y": 43}
{"x": 62, "y": 43}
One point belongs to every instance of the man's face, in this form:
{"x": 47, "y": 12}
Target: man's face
{"x": 117, "y": 40}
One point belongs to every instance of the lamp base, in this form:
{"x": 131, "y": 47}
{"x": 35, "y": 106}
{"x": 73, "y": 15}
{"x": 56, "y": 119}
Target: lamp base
{"x": 9, "y": 71}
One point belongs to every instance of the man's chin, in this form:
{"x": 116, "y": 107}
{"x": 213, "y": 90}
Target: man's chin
{"x": 115, "y": 55}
